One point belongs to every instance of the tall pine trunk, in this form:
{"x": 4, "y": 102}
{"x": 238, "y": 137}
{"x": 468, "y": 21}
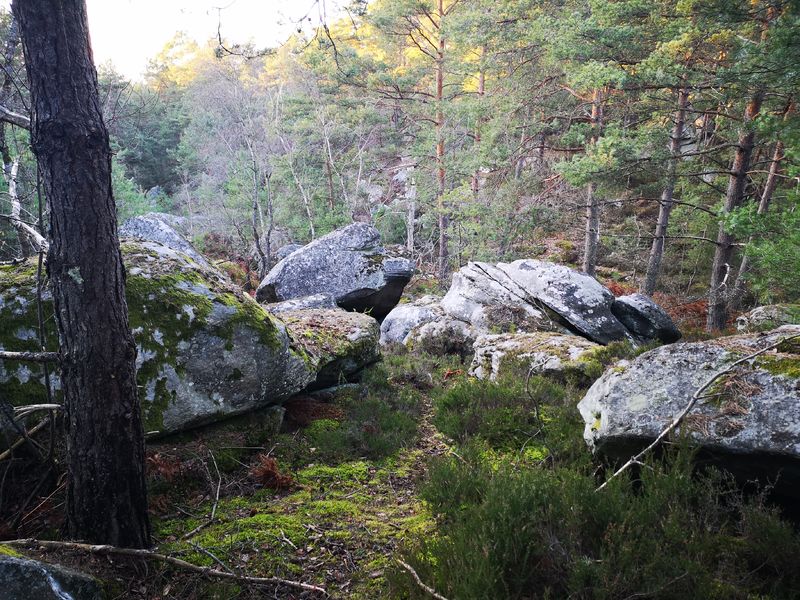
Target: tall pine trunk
{"x": 106, "y": 495}
{"x": 736, "y": 296}
{"x": 667, "y": 196}
{"x": 720, "y": 269}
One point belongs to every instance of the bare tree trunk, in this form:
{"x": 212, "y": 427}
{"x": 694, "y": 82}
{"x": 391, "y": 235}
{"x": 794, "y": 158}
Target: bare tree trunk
{"x": 720, "y": 270}
{"x": 263, "y": 266}
{"x": 306, "y": 200}
{"x": 667, "y": 196}
{"x": 106, "y": 492}
{"x": 592, "y": 236}
{"x": 481, "y": 91}
{"x": 28, "y": 236}
{"x": 763, "y": 206}
{"x": 270, "y": 221}
{"x": 444, "y": 266}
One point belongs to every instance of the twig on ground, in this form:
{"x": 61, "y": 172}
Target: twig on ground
{"x": 637, "y": 459}
{"x": 419, "y": 581}
{"x": 150, "y": 555}
{"x": 210, "y": 520}
{"x": 208, "y": 553}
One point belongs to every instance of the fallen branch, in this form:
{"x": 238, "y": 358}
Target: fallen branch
{"x": 20, "y": 412}
{"x": 28, "y": 232}
{"x": 35, "y": 429}
{"x": 637, "y": 459}
{"x": 419, "y": 581}
{"x": 150, "y": 555}
{"x": 9, "y": 116}
{"x": 37, "y": 357}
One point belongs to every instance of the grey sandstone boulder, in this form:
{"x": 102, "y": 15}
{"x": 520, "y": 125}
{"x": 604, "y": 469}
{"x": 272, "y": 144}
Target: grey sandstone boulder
{"x": 544, "y": 353}
{"x": 581, "y": 302}
{"x": 444, "y": 335}
{"x": 24, "y": 579}
{"x": 769, "y": 317}
{"x": 645, "y": 319}
{"x": 336, "y": 344}
{"x": 350, "y": 264}
{"x": 153, "y": 227}
{"x": 205, "y": 350}
{"x": 749, "y": 424}
{"x": 404, "y": 317}
{"x": 483, "y": 295}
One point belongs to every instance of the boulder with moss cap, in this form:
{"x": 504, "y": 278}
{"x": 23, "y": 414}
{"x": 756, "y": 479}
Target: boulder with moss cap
{"x": 748, "y": 422}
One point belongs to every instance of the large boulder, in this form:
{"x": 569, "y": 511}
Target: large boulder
{"x": 350, "y": 264}
{"x": 749, "y": 422}
{"x": 769, "y": 317}
{"x": 581, "y": 302}
{"x": 483, "y": 295}
{"x": 205, "y": 349}
{"x": 337, "y": 344}
{"x": 24, "y": 579}
{"x": 154, "y": 227}
{"x": 645, "y": 319}
{"x": 404, "y": 317}
{"x": 544, "y": 353}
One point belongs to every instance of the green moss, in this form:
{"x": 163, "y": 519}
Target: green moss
{"x": 9, "y": 551}
{"x": 788, "y": 366}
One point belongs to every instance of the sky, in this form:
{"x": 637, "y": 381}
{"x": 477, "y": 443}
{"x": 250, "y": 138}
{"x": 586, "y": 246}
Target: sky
{"x": 128, "y": 33}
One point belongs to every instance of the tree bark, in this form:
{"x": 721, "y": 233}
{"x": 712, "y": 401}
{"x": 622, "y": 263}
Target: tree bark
{"x": 718, "y": 293}
{"x": 763, "y": 206}
{"x": 667, "y": 196}
{"x": 440, "y": 175}
{"x": 106, "y": 493}
{"x": 592, "y": 236}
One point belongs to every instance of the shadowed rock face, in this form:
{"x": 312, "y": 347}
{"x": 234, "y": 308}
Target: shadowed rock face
{"x": 349, "y": 264}
{"x": 24, "y": 579}
{"x": 645, "y": 319}
{"x": 750, "y": 424}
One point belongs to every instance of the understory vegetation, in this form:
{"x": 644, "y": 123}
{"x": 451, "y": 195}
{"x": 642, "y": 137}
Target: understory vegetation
{"x": 485, "y": 489}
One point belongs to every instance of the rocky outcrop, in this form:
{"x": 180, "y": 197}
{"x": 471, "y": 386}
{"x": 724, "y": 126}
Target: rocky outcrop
{"x": 337, "y": 344}
{"x": 768, "y": 317}
{"x": 748, "y": 423}
{"x": 580, "y": 301}
{"x": 205, "y": 349}
{"x": 405, "y": 317}
{"x": 349, "y": 264}
{"x": 153, "y": 227}
{"x": 645, "y": 319}
{"x": 24, "y": 579}
{"x": 545, "y": 353}
{"x": 526, "y": 296}
{"x": 442, "y": 336}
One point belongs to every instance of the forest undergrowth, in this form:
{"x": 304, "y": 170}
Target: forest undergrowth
{"x": 482, "y": 489}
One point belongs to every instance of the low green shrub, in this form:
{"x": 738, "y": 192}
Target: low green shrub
{"x": 507, "y": 532}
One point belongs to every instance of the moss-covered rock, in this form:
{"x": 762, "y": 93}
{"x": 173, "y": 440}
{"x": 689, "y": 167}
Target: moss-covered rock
{"x": 337, "y": 344}
{"x": 748, "y": 421}
{"x": 546, "y": 353}
{"x": 206, "y": 350}
{"x": 769, "y": 317}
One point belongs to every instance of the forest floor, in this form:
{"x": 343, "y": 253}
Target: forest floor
{"x": 327, "y": 500}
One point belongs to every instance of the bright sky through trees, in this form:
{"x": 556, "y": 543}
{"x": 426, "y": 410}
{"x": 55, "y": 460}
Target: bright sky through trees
{"x": 128, "y": 33}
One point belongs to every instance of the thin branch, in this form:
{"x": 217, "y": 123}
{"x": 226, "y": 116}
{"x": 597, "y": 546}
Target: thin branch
{"x": 9, "y": 116}
{"x": 105, "y": 550}
{"x": 37, "y": 357}
{"x": 419, "y": 581}
{"x": 637, "y": 459}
